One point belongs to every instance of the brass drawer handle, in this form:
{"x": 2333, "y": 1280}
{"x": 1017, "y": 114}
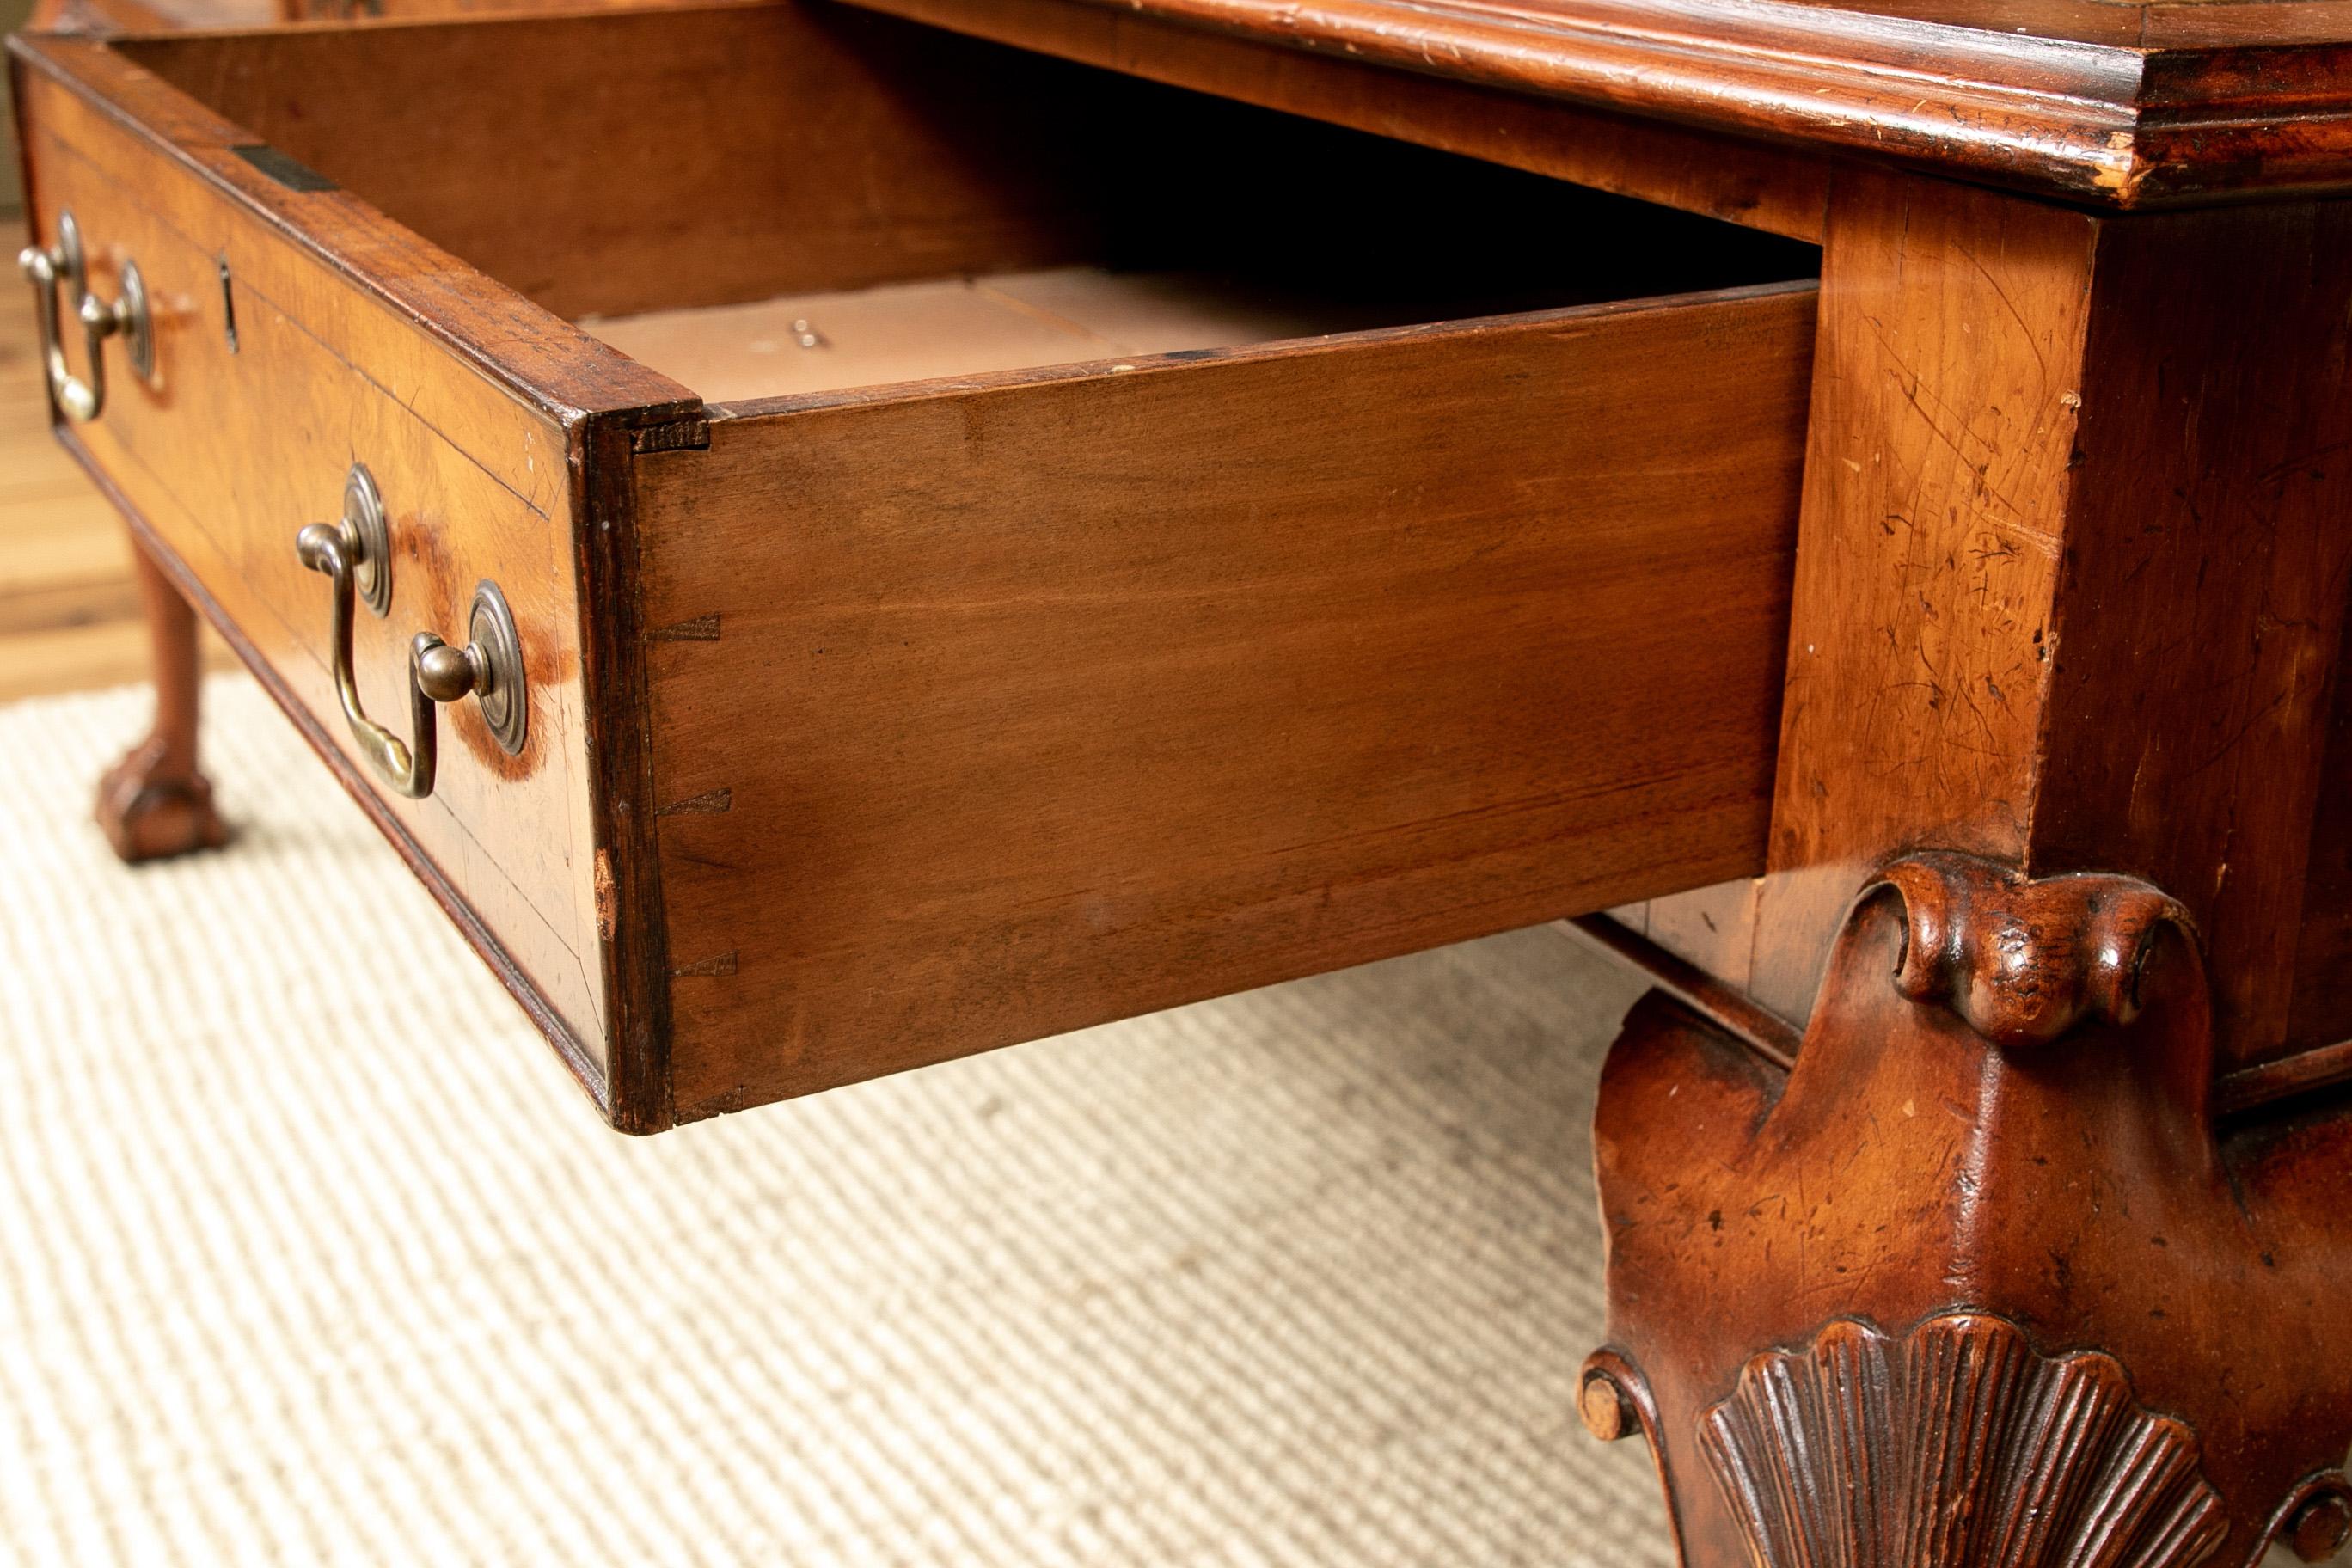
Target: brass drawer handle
{"x": 47, "y": 268}
{"x": 355, "y": 552}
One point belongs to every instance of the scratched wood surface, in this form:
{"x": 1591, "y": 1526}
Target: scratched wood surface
{"x": 930, "y": 718}
{"x": 1942, "y": 427}
{"x": 2201, "y": 607}
{"x": 2070, "y": 596}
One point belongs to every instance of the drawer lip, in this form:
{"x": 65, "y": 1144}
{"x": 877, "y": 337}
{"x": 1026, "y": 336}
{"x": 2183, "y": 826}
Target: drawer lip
{"x": 1285, "y": 348}
{"x": 634, "y": 1087}
{"x": 549, "y": 364}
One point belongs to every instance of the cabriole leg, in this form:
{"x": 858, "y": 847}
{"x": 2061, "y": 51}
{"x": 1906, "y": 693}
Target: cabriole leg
{"x": 154, "y": 802}
{"x": 1977, "y": 1282}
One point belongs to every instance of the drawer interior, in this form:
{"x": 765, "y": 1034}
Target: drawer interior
{"x": 774, "y": 201}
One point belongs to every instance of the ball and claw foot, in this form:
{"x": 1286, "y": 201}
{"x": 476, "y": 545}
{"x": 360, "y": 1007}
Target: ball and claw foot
{"x": 151, "y": 810}
{"x": 156, "y": 803}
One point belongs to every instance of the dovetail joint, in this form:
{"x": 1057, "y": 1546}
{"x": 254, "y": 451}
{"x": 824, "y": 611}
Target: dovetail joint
{"x": 709, "y": 803}
{"x": 702, "y": 628}
{"x": 680, "y": 436}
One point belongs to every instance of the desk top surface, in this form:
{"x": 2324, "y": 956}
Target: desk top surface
{"x": 2118, "y": 105}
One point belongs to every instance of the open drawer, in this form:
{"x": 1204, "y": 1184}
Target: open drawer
{"x": 991, "y": 546}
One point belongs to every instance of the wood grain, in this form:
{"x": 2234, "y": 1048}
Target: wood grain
{"x": 2070, "y": 596}
{"x": 486, "y": 943}
{"x": 2320, "y": 1010}
{"x": 1058, "y": 697}
{"x": 2201, "y": 607}
{"x": 1951, "y": 340}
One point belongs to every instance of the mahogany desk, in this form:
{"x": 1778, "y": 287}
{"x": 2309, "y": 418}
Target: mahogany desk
{"x": 954, "y": 520}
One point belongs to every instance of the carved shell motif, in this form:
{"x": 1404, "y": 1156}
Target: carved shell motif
{"x": 1956, "y": 1445}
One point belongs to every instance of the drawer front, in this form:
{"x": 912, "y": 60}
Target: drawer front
{"x": 999, "y": 708}
{"x": 272, "y": 376}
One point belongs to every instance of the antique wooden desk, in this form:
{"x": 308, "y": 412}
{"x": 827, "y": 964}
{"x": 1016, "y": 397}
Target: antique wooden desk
{"x": 955, "y": 519}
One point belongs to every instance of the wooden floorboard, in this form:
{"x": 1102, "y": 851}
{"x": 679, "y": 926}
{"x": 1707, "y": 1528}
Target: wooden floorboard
{"x": 69, "y": 612}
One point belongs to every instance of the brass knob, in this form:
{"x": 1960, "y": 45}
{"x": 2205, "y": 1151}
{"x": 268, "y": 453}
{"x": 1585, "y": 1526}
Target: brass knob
{"x": 446, "y": 674}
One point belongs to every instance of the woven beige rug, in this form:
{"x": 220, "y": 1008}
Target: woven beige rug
{"x": 1302, "y": 1276}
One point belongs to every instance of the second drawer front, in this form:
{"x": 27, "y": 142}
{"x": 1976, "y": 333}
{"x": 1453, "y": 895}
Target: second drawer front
{"x": 237, "y": 441}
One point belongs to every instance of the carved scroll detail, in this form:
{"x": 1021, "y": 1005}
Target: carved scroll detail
{"x": 2024, "y": 962}
{"x": 1957, "y": 1444}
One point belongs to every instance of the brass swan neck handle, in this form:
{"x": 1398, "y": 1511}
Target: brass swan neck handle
{"x": 354, "y": 553}
{"x": 65, "y": 264}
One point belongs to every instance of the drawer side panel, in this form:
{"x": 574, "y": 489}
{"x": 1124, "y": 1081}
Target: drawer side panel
{"x": 986, "y": 710}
